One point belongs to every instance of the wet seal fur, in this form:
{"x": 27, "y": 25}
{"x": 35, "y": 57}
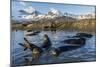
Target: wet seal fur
{"x": 46, "y": 43}
{"x": 78, "y": 41}
{"x": 57, "y": 51}
{"x": 36, "y": 51}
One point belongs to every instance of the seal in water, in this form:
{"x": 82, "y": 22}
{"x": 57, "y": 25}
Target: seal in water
{"x": 78, "y": 41}
{"x": 57, "y": 51}
{"x": 33, "y": 33}
{"x": 36, "y": 51}
{"x": 46, "y": 43}
{"x": 82, "y": 35}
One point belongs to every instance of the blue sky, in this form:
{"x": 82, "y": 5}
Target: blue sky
{"x": 45, "y": 7}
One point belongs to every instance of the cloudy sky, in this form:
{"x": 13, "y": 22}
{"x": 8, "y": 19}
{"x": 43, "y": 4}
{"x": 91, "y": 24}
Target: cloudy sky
{"x": 45, "y": 7}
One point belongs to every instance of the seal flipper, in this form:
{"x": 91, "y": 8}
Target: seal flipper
{"x": 26, "y": 59}
{"x": 28, "y": 62}
{"x": 24, "y": 45}
{"x": 21, "y": 44}
{"x": 25, "y": 49}
{"x": 26, "y": 41}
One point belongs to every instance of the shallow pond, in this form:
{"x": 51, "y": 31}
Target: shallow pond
{"x": 85, "y": 53}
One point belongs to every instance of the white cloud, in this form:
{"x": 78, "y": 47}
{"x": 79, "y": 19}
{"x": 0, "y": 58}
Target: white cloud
{"x": 27, "y": 8}
{"x": 23, "y": 3}
{"x": 30, "y": 9}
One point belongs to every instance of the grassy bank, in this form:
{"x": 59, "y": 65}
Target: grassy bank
{"x": 81, "y": 25}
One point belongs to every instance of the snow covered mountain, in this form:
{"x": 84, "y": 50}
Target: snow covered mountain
{"x": 87, "y": 16}
{"x": 35, "y": 15}
{"x": 53, "y": 13}
{"x": 84, "y": 16}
